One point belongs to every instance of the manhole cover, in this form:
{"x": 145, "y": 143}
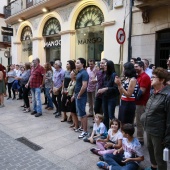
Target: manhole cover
{"x": 28, "y": 143}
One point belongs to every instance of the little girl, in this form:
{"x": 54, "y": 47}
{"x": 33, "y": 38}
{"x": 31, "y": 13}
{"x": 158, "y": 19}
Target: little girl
{"x": 112, "y": 142}
{"x": 99, "y": 130}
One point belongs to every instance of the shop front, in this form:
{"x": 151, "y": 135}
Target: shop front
{"x": 52, "y": 40}
{"x": 89, "y": 33}
{"x": 162, "y": 48}
{"x": 26, "y": 35}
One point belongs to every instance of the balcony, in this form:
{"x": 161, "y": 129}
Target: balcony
{"x": 26, "y": 9}
{"x": 142, "y": 4}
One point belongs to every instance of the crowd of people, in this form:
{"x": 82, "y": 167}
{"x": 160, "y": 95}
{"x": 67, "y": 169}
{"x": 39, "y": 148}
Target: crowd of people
{"x": 142, "y": 92}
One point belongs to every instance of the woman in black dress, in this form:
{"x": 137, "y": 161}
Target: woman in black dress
{"x": 64, "y": 108}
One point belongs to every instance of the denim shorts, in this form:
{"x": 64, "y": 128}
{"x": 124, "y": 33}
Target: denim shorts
{"x": 81, "y": 106}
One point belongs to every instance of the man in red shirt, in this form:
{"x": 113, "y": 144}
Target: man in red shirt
{"x": 142, "y": 98}
{"x": 36, "y": 82}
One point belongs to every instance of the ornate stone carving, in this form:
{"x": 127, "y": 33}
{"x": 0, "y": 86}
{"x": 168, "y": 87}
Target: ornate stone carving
{"x": 145, "y": 15}
{"x": 65, "y": 12}
{"x": 110, "y": 23}
{"x": 109, "y": 4}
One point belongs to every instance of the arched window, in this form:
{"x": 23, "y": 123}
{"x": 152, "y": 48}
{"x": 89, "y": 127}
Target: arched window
{"x": 52, "y": 26}
{"x": 89, "y": 16}
{"x": 26, "y": 33}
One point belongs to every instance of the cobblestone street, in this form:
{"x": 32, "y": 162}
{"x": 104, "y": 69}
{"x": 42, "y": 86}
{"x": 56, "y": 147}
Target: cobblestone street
{"x": 61, "y": 147}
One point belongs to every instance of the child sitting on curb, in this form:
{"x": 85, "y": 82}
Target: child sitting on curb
{"x": 99, "y": 130}
{"x": 128, "y": 156}
{"x": 112, "y": 142}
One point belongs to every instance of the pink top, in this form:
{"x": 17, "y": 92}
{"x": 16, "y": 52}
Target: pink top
{"x": 92, "y": 75}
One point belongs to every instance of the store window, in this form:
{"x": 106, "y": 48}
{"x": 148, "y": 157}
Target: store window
{"x": 52, "y": 39}
{"x": 162, "y": 48}
{"x": 89, "y": 33}
{"x": 26, "y": 36}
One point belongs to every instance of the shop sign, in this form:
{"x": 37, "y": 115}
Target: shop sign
{"x": 52, "y": 44}
{"x": 6, "y": 31}
{"x": 90, "y": 41}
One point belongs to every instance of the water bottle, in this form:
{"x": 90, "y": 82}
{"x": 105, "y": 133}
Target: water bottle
{"x": 166, "y": 154}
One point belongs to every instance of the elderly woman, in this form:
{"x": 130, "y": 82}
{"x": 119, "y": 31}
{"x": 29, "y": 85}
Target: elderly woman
{"x": 23, "y": 78}
{"x": 156, "y": 119}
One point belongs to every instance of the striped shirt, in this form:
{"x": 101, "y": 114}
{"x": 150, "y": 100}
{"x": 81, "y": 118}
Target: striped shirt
{"x": 133, "y": 96}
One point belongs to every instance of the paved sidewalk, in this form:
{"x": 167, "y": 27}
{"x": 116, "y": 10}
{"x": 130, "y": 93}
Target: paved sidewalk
{"x": 61, "y": 147}
{"x": 14, "y": 155}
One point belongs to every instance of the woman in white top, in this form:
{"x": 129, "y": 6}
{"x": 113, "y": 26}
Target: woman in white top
{"x": 11, "y": 77}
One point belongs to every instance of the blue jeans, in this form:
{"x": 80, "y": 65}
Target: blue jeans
{"x": 81, "y": 106}
{"x": 108, "y": 106}
{"x": 116, "y": 164}
{"x": 49, "y": 98}
{"x": 36, "y": 99}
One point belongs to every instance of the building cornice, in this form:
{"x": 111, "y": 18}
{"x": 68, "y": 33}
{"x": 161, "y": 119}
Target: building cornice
{"x": 36, "y": 38}
{"x": 2, "y": 15}
{"x": 67, "y": 32}
{"x": 17, "y": 42}
{"x": 110, "y": 23}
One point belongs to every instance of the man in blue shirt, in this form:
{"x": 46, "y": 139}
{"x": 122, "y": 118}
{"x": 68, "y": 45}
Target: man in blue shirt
{"x": 81, "y": 94}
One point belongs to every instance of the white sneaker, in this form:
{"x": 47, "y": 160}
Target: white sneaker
{"x": 78, "y": 130}
{"x": 83, "y": 134}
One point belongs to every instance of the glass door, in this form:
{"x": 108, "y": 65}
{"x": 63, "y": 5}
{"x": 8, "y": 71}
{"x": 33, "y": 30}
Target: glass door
{"x": 89, "y": 42}
{"x": 53, "y": 48}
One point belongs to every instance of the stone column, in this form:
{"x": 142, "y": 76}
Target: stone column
{"x": 38, "y": 50}
{"x": 16, "y": 52}
{"x": 110, "y": 43}
{"x": 67, "y": 46}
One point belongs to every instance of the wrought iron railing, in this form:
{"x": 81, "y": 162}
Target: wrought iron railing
{"x": 17, "y": 6}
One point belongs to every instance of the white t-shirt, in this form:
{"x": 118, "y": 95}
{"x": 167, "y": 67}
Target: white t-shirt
{"x": 132, "y": 149}
{"x": 101, "y": 129}
{"x": 148, "y": 71}
{"x": 18, "y": 72}
{"x": 114, "y": 138}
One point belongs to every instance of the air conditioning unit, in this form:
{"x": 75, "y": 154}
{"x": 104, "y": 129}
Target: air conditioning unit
{"x": 118, "y": 3}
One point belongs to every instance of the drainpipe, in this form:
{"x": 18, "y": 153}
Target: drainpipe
{"x": 130, "y": 31}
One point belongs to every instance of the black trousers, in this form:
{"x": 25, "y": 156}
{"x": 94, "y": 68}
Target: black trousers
{"x": 57, "y": 102}
{"x": 20, "y": 93}
{"x": 98, "y": 105}
{"x": 25, "y": 95}
{"x": 9, "y": 90}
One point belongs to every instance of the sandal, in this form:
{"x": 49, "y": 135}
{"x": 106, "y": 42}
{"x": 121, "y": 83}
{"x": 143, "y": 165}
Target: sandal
{"x": 64, "y": 120}
{"x": 26, "y": 111}
{"x": 72, "y": 126}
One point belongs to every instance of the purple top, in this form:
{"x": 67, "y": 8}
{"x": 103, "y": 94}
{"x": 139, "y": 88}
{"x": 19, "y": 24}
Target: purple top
{"x": 100, "y": 80}
{"x": 92, "y": 75}
{"x": 58, "y": 78}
